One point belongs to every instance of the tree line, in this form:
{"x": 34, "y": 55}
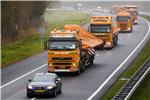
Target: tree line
{"x": 20, "y": 15}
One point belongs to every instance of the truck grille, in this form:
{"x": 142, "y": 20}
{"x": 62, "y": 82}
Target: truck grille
{"x": 123, "y": 25}
{"x": 61, "y": 58}
{"x": 62, "y": 63}
{"x": 59, "y": 67}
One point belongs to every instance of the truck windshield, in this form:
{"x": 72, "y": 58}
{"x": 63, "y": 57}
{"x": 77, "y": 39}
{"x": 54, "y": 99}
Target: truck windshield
{"x": 100, "y": 29}
{"x": 123, "y": 18}
{"x": 133, "y": 13}
{"x": 62, "y": 45}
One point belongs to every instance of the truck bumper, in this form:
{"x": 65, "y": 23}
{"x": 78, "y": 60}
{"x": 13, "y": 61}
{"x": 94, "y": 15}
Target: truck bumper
{"x": 135, "y": 22}
{"x": 108, "y": 45}
{"x": 62, "y": 70}
{"x": 125, "y": 30}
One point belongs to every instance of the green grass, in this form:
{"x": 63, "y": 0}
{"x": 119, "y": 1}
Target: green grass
{"x": 24, "y": 47}
{"x": 145, "y": 86}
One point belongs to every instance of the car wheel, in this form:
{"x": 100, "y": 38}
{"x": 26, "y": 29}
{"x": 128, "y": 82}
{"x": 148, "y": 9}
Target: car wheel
{"x": 55, "y": 93}
{"x": 29, "y": 95}
{"x": 60, "y": 90}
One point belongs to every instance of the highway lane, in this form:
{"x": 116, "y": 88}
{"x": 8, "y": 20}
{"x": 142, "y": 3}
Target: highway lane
{"x": 75, "y": 87}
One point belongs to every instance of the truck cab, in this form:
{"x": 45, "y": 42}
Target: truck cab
{"x": 124, "y": 21}
{"x": 65, "y": 53}
{"x": 133, "y": 10}
{"x": 102, "y": 27}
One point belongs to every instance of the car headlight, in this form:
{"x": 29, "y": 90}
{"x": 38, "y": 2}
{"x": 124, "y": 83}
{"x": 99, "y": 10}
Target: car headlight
{"x": 49, "y": 87}
{"x": 30, "y": 87}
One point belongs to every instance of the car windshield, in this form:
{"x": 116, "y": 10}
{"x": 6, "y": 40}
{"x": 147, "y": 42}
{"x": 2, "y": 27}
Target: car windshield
{"x": 43, "y": 78}
{"x": 62, "y": 45}
{"x": 123, "y": 18}
{"x": 100, "y": 29}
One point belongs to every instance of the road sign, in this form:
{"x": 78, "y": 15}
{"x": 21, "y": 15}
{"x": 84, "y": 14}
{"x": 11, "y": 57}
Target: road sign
{"x": 41, "y": 30}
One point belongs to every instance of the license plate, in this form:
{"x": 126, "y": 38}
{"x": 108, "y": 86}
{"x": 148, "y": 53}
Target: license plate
{"x": 39, "y": 91}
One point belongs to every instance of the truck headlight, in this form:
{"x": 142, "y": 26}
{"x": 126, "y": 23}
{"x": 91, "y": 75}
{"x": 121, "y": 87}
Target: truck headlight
{"x": 108, "y": 43}
{"x": 50, "y": 64}
{"x": 128, "y": 28}
{"x": 30, "y": 87}
{"x": 49, "y": 87}
{"x": 74, "y": 64}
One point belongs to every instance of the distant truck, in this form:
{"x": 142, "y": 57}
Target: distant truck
{"x": 102, "y": 27}
{"x": 133, "y": 10}
{"x": 116, "y": 8}
{"x": 70, "y": 49}
{"x": 124, "y": 21}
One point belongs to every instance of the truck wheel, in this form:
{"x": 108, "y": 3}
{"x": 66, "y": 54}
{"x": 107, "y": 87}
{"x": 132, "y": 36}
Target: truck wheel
{"x": 131, "y": 30}
{"x": 78, "y": 72}
{"x": 113, "y": 42}
{"x": 82, "y": 67}
{"x": 116, "y": 40}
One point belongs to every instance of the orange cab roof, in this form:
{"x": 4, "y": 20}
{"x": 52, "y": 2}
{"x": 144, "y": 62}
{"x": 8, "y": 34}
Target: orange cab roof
{"x": 123, "y": 13}
{"x": 63, "y": 33}
{"x": 130, "y": 6}
{"x": 101, "y": 19}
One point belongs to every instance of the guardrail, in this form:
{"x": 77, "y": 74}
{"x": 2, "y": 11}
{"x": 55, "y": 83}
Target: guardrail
{"x": 145, "y": 13}
{"x": 130, "y": 86}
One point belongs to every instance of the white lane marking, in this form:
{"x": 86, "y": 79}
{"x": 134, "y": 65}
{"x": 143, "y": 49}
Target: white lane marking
{"x": 107, "y": 80}
{"x": 33, "y": 98}
{"x": 23, "y": 76}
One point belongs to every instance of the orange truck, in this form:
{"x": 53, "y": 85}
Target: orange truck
{"x": 124, "y": 21}
{"x": 70, "y": 49}
{"x": 102, "y": 27}
{"x": 133, "y": 10}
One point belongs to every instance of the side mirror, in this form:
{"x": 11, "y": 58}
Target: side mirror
{"x": 29, "y": 80}
{"x": 89, "y": 29}
{"x": 57, "y": 79}
{"x": 45, "y": 45}
{"x": 80, "y": 44}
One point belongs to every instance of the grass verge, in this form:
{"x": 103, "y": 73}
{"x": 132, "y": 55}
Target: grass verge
{"x": 142, "y": 93}
{"x": 24, "y": 47}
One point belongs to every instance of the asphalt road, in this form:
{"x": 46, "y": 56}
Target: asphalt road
{"x": 74, "y": 87}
